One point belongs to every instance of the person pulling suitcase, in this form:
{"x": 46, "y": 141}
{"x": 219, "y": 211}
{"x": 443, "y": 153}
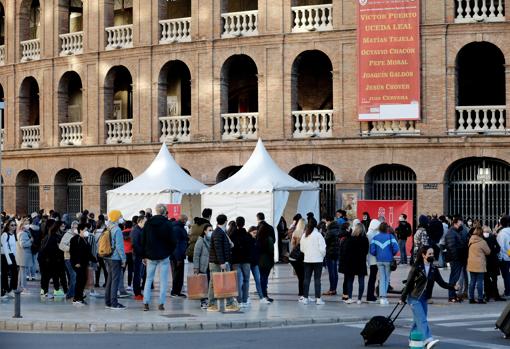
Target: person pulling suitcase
{"x": 418, "y": 290}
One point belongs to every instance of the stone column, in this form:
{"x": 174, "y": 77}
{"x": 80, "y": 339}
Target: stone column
{"x": 142, "y": 106}
{"x": 203, "y": 19}
{"x": 47, "y": 115}
{"x": 272, "y": 94}
{"x": 11, "y": 115}
{"x": 47, "y": 35}
{"x": 93, "y": 26}
{"x": 270, "y": 17}
{"x": 143, "y": 22}
{"x": 11, "y": 33}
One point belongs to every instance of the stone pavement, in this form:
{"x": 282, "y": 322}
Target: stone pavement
{"x": 58, "y": 315}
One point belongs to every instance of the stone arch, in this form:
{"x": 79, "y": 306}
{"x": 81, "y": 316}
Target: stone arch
{"x": 29, "y": 102}
{"x": 68, "y": 192}
{"x": 112, "y": 178}
{"x": 27, "y": 192}
{"x": 227, "y": 172}
{"x": 118, "y": 90}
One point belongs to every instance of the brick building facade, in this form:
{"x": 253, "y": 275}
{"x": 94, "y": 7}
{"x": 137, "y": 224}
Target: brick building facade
{"x": 91, "y": 88}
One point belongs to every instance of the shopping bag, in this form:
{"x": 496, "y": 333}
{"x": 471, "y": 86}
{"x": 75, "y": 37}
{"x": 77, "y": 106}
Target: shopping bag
{"x": 90, "y": 279}
{"x": 225, "y": 284}
{"x": 197, "y": 286}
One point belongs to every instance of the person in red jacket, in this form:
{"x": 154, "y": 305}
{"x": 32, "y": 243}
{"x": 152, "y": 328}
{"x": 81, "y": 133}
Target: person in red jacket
{"x": 128, "y": 248}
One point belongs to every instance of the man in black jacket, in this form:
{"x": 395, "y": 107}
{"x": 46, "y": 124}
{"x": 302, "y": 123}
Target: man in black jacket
{"x": 403, "y": 232}
{"x": 178, "y": 256}
{"x": 265, "y": 244}
{"x": 454, "y": 255}
{"x": 219, "y": 261}
{"x": 158, "y": 242}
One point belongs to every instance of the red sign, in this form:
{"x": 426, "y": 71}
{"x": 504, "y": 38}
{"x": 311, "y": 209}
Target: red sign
{"x": 388, "y": 60}
{"x": 390, "y": 210}
{"x": 174, "y": 210}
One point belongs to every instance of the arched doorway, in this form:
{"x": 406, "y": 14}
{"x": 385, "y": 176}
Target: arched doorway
{"x": 391, "y": 182}
{"x": 479, "y": 188}
{"x": 112, "y": 178}
{"x": 70, "y": 109}
{"x": 68, "y": 192}
{"x": 27, "y": 192}
{"x": 118, "y": 105}
{"x": 226, "y": 173}
{"x": 327, "y": 182}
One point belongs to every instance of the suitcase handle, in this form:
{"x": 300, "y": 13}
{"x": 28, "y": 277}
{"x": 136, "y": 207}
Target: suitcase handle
{"x": 393, "y": 311}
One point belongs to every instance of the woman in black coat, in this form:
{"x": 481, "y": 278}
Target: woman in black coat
{"x": 354, "y": 261}
{"x": 81, "y": 256}
{"x": 491, "y": 276}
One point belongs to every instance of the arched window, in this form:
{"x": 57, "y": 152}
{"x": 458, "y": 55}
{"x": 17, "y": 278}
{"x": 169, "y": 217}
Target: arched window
{"x": 118, "y": 105}
{"x": 112, "y": 178}
{"x": 68, "y": 192}
{"x": 70, "y": 109}
{"x": 227, "y": 172}
{"x": 27, "y": 192}
{"x": 327, "y": 182}
{"x": 479, "y": 188}
{"x": 29, "y": 113}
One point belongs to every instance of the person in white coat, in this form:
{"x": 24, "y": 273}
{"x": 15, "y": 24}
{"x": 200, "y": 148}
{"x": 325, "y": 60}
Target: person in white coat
{"x": 313, "y": 246}
{"x": 24, "y": 254}
{"x": 373, "y": 229}
{"x": 8, "y": 255}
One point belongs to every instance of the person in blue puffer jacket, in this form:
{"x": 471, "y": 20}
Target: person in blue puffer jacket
{"x": 383, "y": 247}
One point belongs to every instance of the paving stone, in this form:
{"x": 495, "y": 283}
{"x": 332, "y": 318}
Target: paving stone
{"x": 144, "y": 327}
{"x": 113, "y": 327}
{"x": 69, "y": 327}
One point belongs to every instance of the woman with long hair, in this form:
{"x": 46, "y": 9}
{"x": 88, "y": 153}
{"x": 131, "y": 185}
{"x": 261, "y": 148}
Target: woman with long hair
{"x": 356, "y": 250}
{"x": 313, "y": 246}
{"x": 297, "y": 263}
{"x": 24, "y": 253}
{"x": 201, "y": 257}
{"x": 50, "y": 258}
{"x": 477, "y": 264}
{"x": 9, "y": 265}
{"x": 418, "y": 290}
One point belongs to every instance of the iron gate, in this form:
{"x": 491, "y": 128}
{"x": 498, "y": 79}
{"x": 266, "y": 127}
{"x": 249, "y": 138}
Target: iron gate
{"x": 480, "y": 189}
{"x": 33, "y": 195}
{"x": 327, "y": 182}
{"x": 120, "y": 178}
{"x": 74, "y": 193}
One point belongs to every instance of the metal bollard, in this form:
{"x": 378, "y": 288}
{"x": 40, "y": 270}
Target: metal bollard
{"x": 416, "y": 340}
{"x": 17, "y": 304}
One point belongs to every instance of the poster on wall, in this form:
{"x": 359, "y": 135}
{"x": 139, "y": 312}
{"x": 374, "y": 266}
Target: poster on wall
{"x": 388, "y": 60}
{"x": 348, "y": 201}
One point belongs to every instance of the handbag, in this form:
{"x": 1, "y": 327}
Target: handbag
{"x": 225, "y": 284}
{"x": 198, "y": 287}
{"x": 296, "y": 254}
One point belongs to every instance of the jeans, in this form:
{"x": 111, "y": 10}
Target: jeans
{"x": 177, "y": 276}
{"x": 164, "y": 266}
{"x": 350, "y": 284}
{"x": 371, "y": 283}
{"x": 35, "y": 265}
{"x": 114, "y": 268}
{"x": 23, "y": 273}
{"x": 11, "y": 284}
{"x": 441, "y": 262}
{"x": 332, "y": 265}
{"x": 456, "y": 270}
{"x": 384, "y": 278}
{"x": 72, "y": 278}
{"x": 264, "y": 279}
{"x": 403, "y": 252}
{"x": 299, "y": 268}
{"x": 256, "y": 277}
{"x": 243, "y": 281}
{"x": 101, "y": 265}
{"x": 137, "y": 275}
{"x": 420, "y": 323}
{"x": 476, "y": 279}
{"x": 215, "y": 268}
{"x": 464, "y": 280}
{"x": 504, "y": 266}
{"x": 316, "y": 269}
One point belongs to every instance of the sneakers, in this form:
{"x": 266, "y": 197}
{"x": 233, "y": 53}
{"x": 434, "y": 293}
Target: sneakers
{"x": 319, "y": 302}
{"x": 305, "y": 301}
{"x": 161, "y": 307}
{"x": 203, "y": 305}
{"x": 472, "y": 301}
{"x": 384, "y": 301}
{"x": 232, "y": 308}
{"x": 129, "y": 289}
{"x": 178, "y": 295}
{"x": 213, "y": 308}
{"x": 94, "y": 294}
{"x": 359, "y": 302}
{"x": 249, "y": 301}
{"x": 138, "y": 298}
{"x": 118, "y": 307}
{"x": 243, "y": 305}
{"x": 271, "y": 300}
{"x": 42, "y": 293}
{"x": 145, "y": 307}
{"x": 123, "y": 295}
{"x": 349, "y": 301}
{"x": 372, "y": 301}
{"x": 301, "y": 299}
{"x": 265, "y": 301}
{"x": 431, "y": 344}
{"x": 79, "y": 303}
{"x": 58, "y": 293}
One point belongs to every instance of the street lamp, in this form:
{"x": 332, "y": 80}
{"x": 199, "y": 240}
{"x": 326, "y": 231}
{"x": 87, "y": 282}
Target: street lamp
{"x": 484, "y": 176}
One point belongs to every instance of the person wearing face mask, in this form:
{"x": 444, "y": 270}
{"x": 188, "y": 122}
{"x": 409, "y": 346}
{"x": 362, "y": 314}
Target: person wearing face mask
{"x": 418, "y": 290}
{"x": 491, "y": 276}
{"x": 24, "y": 254}
{"x": 366, "y": 220}
{"x": 201, "y": 257}
{"x": 115, "y": 262}
{"x": 403, "y": 232}
{"x": 454, "y": 254}
{"x": 8, "y": 255}
{"x": 50, "y": 258}
{"x": 136, "y": 241}
{"x": 65, "y": 245}
{"x": 81, "y": 256}
{"x": 477, "y": 264}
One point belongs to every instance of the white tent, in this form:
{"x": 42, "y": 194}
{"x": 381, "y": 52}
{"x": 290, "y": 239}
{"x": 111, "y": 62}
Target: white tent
{"x": 165, "y": 182}
{"x": 261, "y": 186}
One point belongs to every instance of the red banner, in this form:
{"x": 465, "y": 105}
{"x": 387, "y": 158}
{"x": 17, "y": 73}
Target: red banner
{"x": 388, "y": 60}
{"x": 174, "y": 210}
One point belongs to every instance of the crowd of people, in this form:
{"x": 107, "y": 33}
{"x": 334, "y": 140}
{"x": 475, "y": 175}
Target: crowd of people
{"x": 84, "y": 254}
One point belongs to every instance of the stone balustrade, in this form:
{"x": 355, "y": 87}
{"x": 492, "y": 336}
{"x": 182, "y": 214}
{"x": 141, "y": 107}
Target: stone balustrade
{"x": 237, "y": 24}
{"x": 118, "y": 37}
{"x": 469, "y": 11}
{"x": 119, "y": 131}
{"x": 72, "y": 43}
{"x": 391, "y": 128}
{"x": 30, "y": 136}
{"x": 481, "y": 119}
{"x": 312, "y": 123}
{"x": 30, "y": 50}
{"x": 239, "y": 126}
{"x": 175, "y": 30}
{"x": 71, "y": 134}
{"x": 312, "y": 18}
{"x": 175, "y": 129}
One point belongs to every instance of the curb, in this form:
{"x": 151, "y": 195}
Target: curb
{"x": 15, "y": 325}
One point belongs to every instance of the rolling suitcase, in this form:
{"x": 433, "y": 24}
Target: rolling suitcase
{"x": 503, "y": 323}
{"x": 379, "y": 328}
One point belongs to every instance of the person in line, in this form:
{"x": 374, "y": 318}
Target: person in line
{"x": 81, "y": 256}
{"x": 298, "y": 263}
{"x": 254, "y": 263}
{"x": 158, "y": 242}
{"x": 136, "y": 241}
{"x": 265, "y": 244}
{"x": 178, "y": 256}
{"x": 24, "y": 255}
{"x": 332, "y": 253}
{"x": 421, "y": 237}
{"x": 219, "y": 259}
{"x": 454, "y": 255}
{"x": 128, "y": 249}
{"x": 115, "y": 262}
{"x": 383, "y": 247}
{"x": 100, "y": 228}
{"x": 503, "y": 239}
{"x": 201, "y": 257}
{"x": 491, "y": 276}
{"x": 50, "y": 259}
{"x": 93, "y": 265}
{"x": 313, "y": 247}
{"x": 477, "y": 264}
{"x": 64, "y": 246}
{"x": 403, "y": 232}
{"x": 356, "y": 248}
{"x": 365, "y": 220}
{"x": 9, "y": 266}
{"x": 197, "y": 228}
{"x": 341, "y": 217}
{"x": 282, "y": 230}
{"x": 418, "y": 290}
{"x": 373, "y": 229}
{"x": 241, "y": 258}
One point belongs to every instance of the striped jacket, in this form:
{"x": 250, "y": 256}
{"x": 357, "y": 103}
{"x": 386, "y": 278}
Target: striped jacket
{"x": 384, "y": 246}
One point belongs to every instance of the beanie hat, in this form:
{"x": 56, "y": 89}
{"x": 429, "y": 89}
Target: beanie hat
{"x": 114, "y": 215}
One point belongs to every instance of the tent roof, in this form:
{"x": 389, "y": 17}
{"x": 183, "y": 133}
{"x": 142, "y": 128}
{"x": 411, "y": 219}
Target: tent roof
{"x": 259, "y": 174}
{"x": 163, "y": 175}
